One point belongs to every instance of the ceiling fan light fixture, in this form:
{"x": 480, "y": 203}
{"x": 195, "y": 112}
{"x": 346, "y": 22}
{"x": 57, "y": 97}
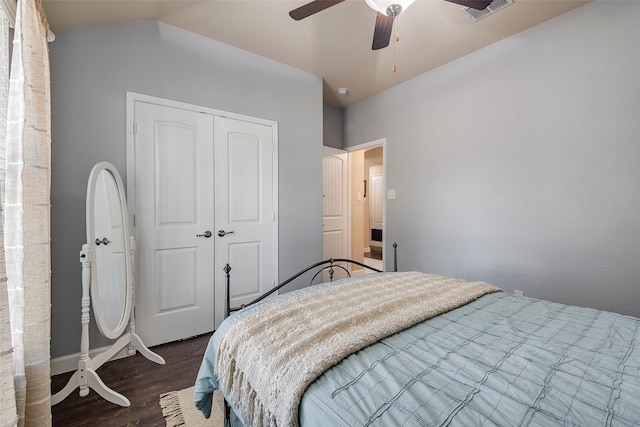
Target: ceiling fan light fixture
{"x": 389, "y": 7}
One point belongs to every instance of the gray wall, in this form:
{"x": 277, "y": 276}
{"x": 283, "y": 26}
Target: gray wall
{"x": 93, "y": 67}
{"x": 332, "y": 125}
{"x": 519, "y": 164}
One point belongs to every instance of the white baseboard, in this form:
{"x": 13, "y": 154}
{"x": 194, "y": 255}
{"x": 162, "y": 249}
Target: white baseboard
{"x": 367, "y": 249}
{"x": 376, "y": 244}
{"x": 68, "y": 363}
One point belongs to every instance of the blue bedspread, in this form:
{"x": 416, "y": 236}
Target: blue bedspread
{"x": 500, "y": 360}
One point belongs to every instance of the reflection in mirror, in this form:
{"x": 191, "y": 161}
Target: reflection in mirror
{"x": 110, "y": 264}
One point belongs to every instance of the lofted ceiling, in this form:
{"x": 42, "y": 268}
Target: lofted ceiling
{"x": 335, "y": 43}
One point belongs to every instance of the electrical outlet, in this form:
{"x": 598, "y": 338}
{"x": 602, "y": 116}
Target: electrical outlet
{"x": 518, "y": 293}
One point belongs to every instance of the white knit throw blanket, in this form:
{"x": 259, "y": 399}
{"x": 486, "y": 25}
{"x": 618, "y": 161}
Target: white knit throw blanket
{"x": 267, "y": 359}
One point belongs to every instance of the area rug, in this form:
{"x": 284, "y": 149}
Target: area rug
{"x": 178, "y": 410}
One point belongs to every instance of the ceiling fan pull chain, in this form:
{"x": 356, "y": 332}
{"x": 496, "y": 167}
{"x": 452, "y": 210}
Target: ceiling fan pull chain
{"x": 394, "y": 68}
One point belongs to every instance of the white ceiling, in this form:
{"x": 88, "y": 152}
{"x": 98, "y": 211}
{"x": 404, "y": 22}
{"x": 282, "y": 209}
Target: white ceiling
{"x": 335, "y": 43}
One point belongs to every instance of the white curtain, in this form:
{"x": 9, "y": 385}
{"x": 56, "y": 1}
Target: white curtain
{"x": 8, "y": 411}
{"x": 27, "y": 221}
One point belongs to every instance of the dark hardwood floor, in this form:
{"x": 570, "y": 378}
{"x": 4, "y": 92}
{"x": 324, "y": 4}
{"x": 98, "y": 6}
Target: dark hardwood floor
{"x": 139, "y": 380}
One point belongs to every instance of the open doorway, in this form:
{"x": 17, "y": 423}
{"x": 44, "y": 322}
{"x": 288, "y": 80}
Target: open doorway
{"x": 367, "y": 203}
{"x": 354, "y": 204}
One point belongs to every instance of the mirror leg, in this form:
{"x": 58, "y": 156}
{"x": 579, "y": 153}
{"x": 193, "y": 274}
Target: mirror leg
{"x": 94, "y": 381}
{"x": 144, "y": 350}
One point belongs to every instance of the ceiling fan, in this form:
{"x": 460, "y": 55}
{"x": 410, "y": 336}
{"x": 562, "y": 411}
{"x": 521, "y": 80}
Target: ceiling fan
{"x": 387, "y": 10}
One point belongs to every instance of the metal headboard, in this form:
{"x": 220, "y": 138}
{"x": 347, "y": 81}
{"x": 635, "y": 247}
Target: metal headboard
{"x": 328, "y": 265}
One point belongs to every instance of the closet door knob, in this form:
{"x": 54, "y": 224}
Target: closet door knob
{"x": 206, "y": 234}
{"x": 104, "y": 241}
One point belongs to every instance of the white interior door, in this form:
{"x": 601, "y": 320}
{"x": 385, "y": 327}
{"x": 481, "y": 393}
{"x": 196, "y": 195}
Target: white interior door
{"x": 334, "y": 206}
{"x": 174, "y": 208}
{"x": 245, "y": 209}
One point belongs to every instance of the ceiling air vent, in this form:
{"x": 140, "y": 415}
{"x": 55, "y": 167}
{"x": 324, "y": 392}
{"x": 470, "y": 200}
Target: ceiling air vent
{"x": 495, "y": 6}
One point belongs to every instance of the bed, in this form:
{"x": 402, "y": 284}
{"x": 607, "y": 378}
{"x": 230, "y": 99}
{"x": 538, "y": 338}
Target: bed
{"x": 474, "y": 357}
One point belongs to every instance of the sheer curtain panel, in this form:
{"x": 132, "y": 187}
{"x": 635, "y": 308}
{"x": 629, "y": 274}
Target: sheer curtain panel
{"x": 8, "y": 411}
{"x": 27, "y": 214}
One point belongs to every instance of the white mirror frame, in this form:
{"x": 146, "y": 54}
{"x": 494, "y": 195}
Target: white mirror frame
{"x": 96, "y": 284}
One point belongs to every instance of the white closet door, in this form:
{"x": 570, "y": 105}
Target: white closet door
{"x": 174, "y": 209}
{"x": 205, "y": 195}
{"x": 245, "y": 209}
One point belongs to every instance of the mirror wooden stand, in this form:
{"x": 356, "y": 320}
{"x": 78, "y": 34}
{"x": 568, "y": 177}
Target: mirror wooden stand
{"x": 107, "y": 284}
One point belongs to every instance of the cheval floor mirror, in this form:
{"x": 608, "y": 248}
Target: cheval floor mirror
{"x": 107, "y": 284}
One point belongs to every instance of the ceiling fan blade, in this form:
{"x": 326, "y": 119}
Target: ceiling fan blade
{"x": 475, "y": 4}
{"x": 311, "y": 8}
{"x": 382, "y": 32}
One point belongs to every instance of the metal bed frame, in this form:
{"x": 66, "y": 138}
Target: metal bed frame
{"x": 333, "y": 263}
{"x": 329, "y": 265}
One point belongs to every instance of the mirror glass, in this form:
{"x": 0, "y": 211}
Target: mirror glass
{"x": 110, "y": 262}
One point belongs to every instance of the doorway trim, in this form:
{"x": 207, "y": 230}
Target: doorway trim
{"x": 382, "y": 142}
